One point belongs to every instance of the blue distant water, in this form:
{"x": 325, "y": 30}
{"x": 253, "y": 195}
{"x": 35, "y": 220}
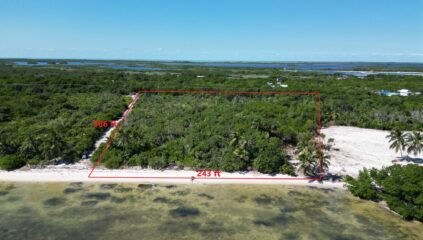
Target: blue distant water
{"x": 298, "y": 66}
{"x": 73, "y": 63}
{"x": 90, "y": 63}
{"x": 124, "y": 67}
{"x": 326, "y": 67}
{"x": 23, "y": 63}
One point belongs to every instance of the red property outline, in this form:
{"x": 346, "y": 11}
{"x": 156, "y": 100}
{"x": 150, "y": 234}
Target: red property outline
{"x": 119, "y": 125}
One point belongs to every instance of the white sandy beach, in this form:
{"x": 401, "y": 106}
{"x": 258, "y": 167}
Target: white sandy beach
{"x": 79, "y": 173}
{"x": 358, "y": 148}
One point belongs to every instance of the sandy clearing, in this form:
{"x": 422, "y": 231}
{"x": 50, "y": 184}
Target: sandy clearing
{"x": 360, "y": 147}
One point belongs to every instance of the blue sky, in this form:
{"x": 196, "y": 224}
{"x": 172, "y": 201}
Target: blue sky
{"x": 262, "y": 30}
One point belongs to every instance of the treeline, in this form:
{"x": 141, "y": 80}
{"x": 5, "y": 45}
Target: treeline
{"x": 43, "y": 119}
{"x": 350, "y": 101}
{"x": 226, "y": 132}
{"x": 400, "y": 186}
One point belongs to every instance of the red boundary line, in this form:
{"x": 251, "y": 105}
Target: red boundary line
{"x": 118, "y": 127}
{"x": 112, "y": 136}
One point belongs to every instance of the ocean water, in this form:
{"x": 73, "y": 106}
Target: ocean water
{"x": 132, "y": 211}
{"x": 299, "y": 65}
{"x": 92, "y": 63}
{"x": 344, "y": 68}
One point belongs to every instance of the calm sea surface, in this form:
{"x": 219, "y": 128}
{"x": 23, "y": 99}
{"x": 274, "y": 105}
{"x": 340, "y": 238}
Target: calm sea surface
{"x": 299, "y": 65}
{"x": 127, "y": 211}
{"x": 325, "y": 68}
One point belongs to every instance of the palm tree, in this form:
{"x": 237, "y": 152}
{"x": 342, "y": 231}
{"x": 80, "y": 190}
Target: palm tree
{"x": 241, "y": 151}
{"x": 325, "y": 159}
{"x": 333, "y": 116}
{"x": 8, "y": 143}
{"x": 397, "y": 137}
{"x": 240, "y": 145}
{"x": 29, "y": 147}
{"x": 51, "y": 145}
{"x": 414, "y": 142}
{"x": 307, "y": 162}
{"x": 310, "y": 153}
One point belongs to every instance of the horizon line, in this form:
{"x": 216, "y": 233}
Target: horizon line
{"x": 206, "y": 61}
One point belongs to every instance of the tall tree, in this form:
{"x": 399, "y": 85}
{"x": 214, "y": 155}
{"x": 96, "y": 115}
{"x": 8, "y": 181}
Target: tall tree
{"x": 308, "y": 160}
{"x": 397, "y": 140}
{"x": 325, "y": 157}
{"x": 29, "y": 147}
{"x": 414, "y": 142}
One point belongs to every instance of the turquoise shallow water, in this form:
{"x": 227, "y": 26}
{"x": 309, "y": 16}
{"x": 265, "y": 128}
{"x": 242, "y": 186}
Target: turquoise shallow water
{"x": 128, "y": 211}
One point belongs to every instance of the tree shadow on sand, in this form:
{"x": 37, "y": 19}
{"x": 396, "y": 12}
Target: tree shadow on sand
{"x": 416, "y": 160}
{"x": 328, "y": 177}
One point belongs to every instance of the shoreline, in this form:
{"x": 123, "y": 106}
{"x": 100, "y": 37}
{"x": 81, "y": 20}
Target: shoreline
{"x": 150, "y": 176}
{"x": 354, "y": 149}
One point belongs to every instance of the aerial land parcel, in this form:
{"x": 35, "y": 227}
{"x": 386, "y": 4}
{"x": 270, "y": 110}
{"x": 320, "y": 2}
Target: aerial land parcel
{"x": 228, "y": 131}
{"x": 47, "y": 111}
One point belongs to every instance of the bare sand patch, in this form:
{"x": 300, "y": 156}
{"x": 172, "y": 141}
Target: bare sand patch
{"x": 361, "y": 147}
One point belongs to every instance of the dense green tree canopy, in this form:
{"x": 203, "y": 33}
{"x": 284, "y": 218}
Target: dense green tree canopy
{"x": 400, "y": 186}
{"x": 46, "y": 112}
{"x": 226, "y": 132}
